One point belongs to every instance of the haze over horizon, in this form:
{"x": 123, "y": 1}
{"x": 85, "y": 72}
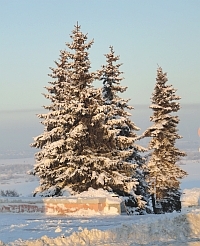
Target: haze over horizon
{"x": 18, "y": 128}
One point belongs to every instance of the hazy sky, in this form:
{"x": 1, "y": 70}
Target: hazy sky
{"x": 18, "y": 127}
{"x": 144, "y": 33}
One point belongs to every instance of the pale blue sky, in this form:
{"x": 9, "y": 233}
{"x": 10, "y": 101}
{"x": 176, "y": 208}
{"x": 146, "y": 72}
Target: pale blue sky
{"x": 144, "y": 33}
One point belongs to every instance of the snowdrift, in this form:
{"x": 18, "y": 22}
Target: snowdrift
{"x": 169, "y": 229}
{"x": 190, "y": 197}
{"x": 163, "y": 229}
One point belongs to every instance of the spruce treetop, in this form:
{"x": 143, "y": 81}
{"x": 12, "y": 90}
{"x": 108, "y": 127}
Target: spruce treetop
{"x": 164, "y": 97}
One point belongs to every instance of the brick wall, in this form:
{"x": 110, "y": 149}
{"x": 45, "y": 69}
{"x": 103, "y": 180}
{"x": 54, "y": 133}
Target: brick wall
{"x": 59, "y": 205}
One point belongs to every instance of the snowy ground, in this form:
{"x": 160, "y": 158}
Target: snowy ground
{"x": 169, "y": 229}
{"x": 13, "y": 175}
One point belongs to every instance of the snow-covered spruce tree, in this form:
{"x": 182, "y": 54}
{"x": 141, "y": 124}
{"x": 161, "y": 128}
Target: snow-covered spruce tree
{"x": 164, "y": 172}
{"x": 118, "y": 120}
{"x": 52, "y": 141}
{"x": 78, "y": 150}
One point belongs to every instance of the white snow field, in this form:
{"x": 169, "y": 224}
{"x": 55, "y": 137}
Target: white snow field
{"x": 95, "y": 229}
{"x": 168, "y": 229}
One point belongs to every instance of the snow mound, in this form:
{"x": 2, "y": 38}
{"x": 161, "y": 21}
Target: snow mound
{"x": 169, "y": 229}
{"x": 190, "y": 197}
{"x": 94, "y": 193}
{"x": 99, "y": 193}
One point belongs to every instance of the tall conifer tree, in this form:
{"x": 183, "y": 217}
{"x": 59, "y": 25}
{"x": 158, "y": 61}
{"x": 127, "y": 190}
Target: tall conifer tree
{"x": 118, "y": 120}
{"x": 52, "y": 141}
{"x": 78, "y": 150}
{"x": 164, "y": 172}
